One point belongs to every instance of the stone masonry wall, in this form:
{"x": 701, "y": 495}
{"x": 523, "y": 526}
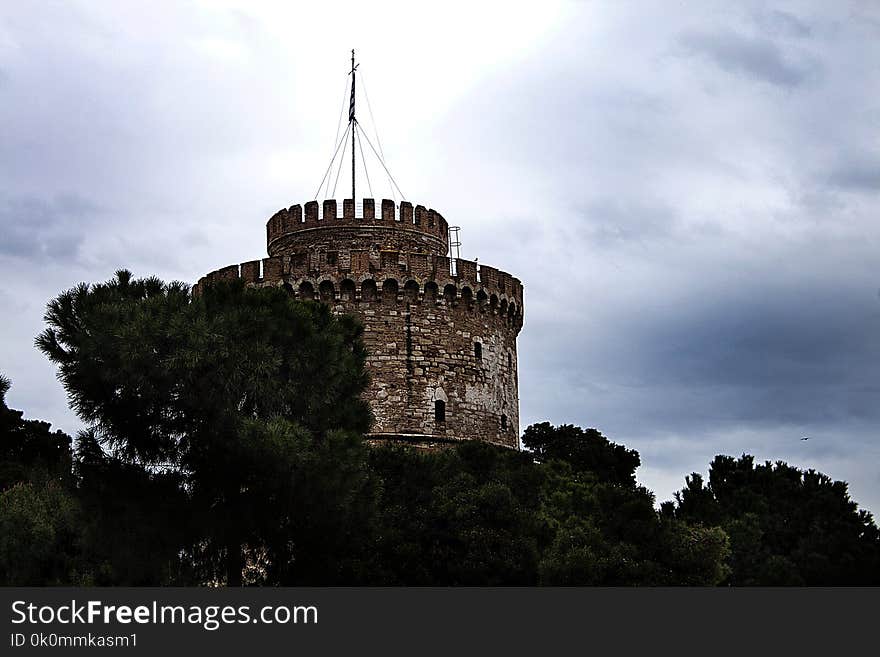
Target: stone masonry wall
{"x": 431, "y": 335}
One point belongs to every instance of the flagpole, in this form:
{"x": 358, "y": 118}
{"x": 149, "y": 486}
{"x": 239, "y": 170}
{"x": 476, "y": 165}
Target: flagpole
{"x": 352, "y": 121}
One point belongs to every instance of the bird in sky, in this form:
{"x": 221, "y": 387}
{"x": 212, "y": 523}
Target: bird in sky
{"x": 805, "y": 438}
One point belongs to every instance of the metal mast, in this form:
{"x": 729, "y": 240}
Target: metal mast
{"x": 352, "y": 123}
{"x": 354, "y": 126}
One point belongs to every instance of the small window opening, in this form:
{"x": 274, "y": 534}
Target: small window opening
{"x": 439, "y": 411}
{"x": 503, "y": 422}
{"x": 509, "y": 361}
{"x": 478, "y": 350}
{"x": 332, "y": 257}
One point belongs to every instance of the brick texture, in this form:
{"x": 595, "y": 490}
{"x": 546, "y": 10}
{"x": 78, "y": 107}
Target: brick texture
{"x": 431, "y": 336}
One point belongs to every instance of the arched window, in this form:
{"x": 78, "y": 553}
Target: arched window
{"x": 467, "y": 296}
{"x": 411, "y": 291}
{"x": 346, "y": 290}
{"x": 478, "y": 350}
{"x": 389, "y": 291}
{"x": 368, "y": 290}
{"x": 503, "y": 422}
{"x": 306, "y": 290}
{"x": 439, "y": 411}
{"x": 509, "y": 361}
{"x": 326, "y": 291}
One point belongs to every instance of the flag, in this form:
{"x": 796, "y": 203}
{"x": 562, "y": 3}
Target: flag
{"x": 351, "y": 104}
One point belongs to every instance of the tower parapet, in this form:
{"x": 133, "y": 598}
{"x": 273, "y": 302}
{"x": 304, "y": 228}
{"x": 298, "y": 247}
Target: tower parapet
{"x": 413, "y": 277}
{"x": 403, "y": 227}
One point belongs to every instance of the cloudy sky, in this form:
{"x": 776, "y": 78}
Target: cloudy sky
{"x": 690, "y": 192}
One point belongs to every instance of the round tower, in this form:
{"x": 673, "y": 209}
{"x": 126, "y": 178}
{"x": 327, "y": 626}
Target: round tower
{"x": 440, "y": 333}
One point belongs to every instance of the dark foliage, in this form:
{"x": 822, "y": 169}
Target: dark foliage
{"x": 28, "y": 447}
{"x": 455, "y": 517}
{"x": 225, "y": 446}
{"x": 482, "y": 515}
{"x": 786, "y": 526}
{"x": 39, "y": 517}
{"x": 586, "y": 450}
{"x": 134, "y": 522}
{"x": 230, "y": 395}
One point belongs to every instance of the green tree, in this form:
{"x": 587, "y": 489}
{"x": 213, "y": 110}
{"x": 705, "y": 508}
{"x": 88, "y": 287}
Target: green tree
{"x": 459, "y": 516}
{"x": 476, "y": 514}
{"x": 787, "y": 526}
{"x": 606, "y": 533}
{"x": 134, "y": 520}
{"x": 39, "y": 535}
{"x": 29, "y": 448}
{"x": 40, "y": 538}
{"x": 237, "y": 391}
{"x": 584, "y": 450}
{"x": 603, "y": 527}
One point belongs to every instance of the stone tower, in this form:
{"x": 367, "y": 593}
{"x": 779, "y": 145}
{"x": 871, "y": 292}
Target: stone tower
{"x": 440, "y": 332}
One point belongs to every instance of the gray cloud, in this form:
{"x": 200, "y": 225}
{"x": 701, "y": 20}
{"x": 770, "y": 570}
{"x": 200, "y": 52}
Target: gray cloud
{"x": 859, "y": 173}
{"x": 746, "y": 372}
{"x": 40, "y": 228}
{"x": 771, "y": 358}
{"x": 780, "y": 23}
{"x": 753, "y": 356}
{"x": 610, "y": 220}
{"x": 756, "y": 57}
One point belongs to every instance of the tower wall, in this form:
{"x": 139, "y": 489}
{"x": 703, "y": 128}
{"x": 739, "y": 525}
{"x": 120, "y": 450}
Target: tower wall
{"x": 431, "y": 336}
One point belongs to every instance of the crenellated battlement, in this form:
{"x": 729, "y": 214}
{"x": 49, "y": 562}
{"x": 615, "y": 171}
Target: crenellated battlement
{"x": 388, "y": 276}
{"x": 285, "y": 225}
{"x": 440, "y": 333}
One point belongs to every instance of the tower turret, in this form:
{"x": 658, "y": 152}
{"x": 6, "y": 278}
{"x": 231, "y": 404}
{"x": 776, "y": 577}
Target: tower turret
{"x": 440, "y": 332}
{"x": 386, "y": 227}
